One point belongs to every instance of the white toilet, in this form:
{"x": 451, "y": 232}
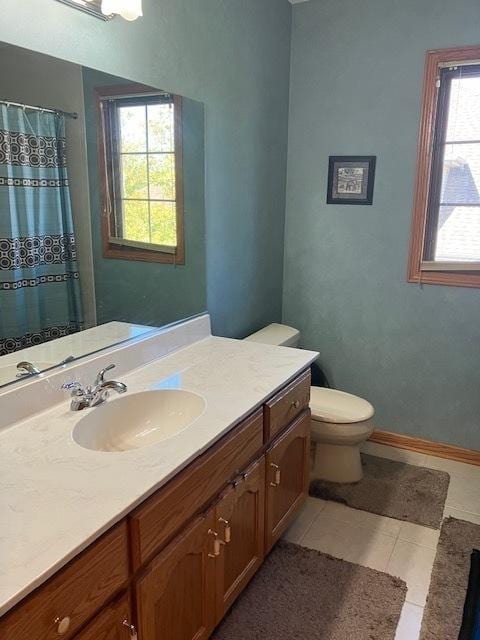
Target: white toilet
{"x": 340, "y": 421}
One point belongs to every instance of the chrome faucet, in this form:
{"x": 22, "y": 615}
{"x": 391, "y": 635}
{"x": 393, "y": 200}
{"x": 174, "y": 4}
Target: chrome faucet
{"x": 93, "y": 395}
{"x": 25, "y": 368}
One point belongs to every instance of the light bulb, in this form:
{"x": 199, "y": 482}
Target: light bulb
{"x": 128, "y": 9}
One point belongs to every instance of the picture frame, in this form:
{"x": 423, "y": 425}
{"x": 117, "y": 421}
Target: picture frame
{"x": 351, "y": 179}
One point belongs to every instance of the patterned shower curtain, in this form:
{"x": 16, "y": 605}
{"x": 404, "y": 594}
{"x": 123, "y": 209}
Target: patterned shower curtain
{"x": 39, "y": 282}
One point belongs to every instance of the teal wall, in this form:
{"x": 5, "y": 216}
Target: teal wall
{"x": 356, "y": 77}
{"x": 233, "y": 55}
{"x": 148, "y": 292}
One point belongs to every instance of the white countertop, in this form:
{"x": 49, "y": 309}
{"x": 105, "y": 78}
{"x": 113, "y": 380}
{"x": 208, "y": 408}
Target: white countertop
{"x": 56, "y": 497}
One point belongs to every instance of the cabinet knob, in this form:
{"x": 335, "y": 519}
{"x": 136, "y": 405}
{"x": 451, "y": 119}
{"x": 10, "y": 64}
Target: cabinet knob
{"x": 131, "y": 629}
{"x": 296, "y": 404}
{"x": 63, "y": 625}
{"x": 227, "y": 534}
{"x": 277, "y": 480}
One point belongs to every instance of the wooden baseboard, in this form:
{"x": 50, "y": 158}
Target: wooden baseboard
{"x": 438, "y": 449}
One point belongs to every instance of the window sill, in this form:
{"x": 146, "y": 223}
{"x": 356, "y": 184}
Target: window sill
{"x": 446, "y": 278}
{"x": 146, "y": 246}
{"x": 123, "y": 252}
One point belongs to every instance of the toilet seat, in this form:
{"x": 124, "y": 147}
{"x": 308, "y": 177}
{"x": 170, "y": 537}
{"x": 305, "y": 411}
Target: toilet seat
{"x": 338, "y": 407}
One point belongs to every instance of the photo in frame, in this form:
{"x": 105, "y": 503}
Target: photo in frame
{"x": 351, "y": 179}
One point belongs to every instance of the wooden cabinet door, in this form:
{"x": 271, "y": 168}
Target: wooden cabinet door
{"x": 176, "y": 595}
{"x": 112, "y": 623}
{"x": 66, "y": 602}
{"x": 240, "y": 523}
{"x": 287, "y": 477}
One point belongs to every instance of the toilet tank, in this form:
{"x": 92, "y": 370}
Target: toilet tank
{"x": 277, "y": 334}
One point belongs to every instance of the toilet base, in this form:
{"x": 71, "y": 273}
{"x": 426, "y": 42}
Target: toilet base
{"x": 337, "y": 463}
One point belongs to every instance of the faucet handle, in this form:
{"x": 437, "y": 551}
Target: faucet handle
{"x": 101, "y": 375}
{"x": 75, "y": 388}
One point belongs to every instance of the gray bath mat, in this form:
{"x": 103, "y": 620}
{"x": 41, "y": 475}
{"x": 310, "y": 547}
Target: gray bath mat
{"x": 392, "y": 489}
{"x": 302, "y": 593}
{"x": 449, "y": 582}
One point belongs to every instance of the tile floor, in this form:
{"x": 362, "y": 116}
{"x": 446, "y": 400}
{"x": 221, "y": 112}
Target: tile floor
{"x": 399, "y": 548}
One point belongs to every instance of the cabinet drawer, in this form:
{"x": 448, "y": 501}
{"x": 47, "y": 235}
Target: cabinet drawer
{"x": 287, "y": 405}
{"x": 154, "y": 522}
{"x": 74, "y": 594}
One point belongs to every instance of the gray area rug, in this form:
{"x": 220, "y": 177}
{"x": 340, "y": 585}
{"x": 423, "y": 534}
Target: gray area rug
{"x": 302, "y": 593}
{"x": 393, "y": 489}
{"x": 449, "y": 582}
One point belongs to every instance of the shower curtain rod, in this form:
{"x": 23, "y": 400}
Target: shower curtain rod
{"x": 35, "y": 108}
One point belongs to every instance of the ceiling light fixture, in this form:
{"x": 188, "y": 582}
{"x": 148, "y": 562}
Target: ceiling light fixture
{"x": 128, "y": 9}
{"x": 108, "y": 9}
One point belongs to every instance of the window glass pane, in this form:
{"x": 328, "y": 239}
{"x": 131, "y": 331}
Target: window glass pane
{"x": 134, "y": 176}
{"x": 161, "y": 127}
{"x": 136, "y": 221}
{"x": 461, "y": 174}
{"x": 463, "y": 109}
{"x": 133, "y": 129}
{"x": 458, "y": 237}
{"x": 162, "y": 176}
{"x": 164, "y": 223}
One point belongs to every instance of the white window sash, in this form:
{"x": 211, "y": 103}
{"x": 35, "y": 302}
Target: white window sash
{"x": 431, "y": 265}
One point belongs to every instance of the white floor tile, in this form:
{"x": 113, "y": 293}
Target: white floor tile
{"x": 410, "y": 622}
{"x": 451, "y": 466}
{"x": 464, "y": 494}
{"x": 392, "y": 453}
{"x": 461, "y": 515}
{"x": 310, "y": 510}
{"x": 350, "y": 542}
{"x": 423, "y": 536}
{"x": 412, "y": 563}
{"x": 399, "y": 548}
{"x": 373, "y": 521}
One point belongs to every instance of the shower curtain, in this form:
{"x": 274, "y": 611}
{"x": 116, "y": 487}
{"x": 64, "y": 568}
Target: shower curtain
{"x": 39, "y": 281}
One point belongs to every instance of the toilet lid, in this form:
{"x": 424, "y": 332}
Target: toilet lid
{"x": 339, "y": 407}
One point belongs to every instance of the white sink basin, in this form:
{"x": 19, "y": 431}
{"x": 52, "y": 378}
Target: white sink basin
{"x": 138, "y": 419}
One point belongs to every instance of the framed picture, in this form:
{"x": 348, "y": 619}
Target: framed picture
{"x": 350, "y": 179}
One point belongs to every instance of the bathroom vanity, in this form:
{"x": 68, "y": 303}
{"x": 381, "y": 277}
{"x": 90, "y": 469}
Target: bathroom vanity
{"x": 186, "y": 522}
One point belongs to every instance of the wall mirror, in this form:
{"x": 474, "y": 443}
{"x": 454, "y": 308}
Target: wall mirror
{"x": 102, "y": 210}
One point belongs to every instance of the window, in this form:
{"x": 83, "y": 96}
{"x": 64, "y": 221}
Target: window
{"x": 445, "y": 244}
{"x": 140, "y": 160}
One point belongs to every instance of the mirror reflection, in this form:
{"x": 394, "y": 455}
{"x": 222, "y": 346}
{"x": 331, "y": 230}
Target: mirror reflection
{"x": 102, "y": 216}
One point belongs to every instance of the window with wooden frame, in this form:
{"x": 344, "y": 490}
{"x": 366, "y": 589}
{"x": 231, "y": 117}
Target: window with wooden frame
{"x": 140, "y": 160}
{"x": 445, "y": 241}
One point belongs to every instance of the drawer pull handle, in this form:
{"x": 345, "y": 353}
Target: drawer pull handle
{"x": 296, "y": 404}
{"x": 216, "y": 545}
{"x": 277, "y": 475}
{"x": 131, "y": 628}
{"x": 227, "y": 535}
{"x": 63, "y": 625}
